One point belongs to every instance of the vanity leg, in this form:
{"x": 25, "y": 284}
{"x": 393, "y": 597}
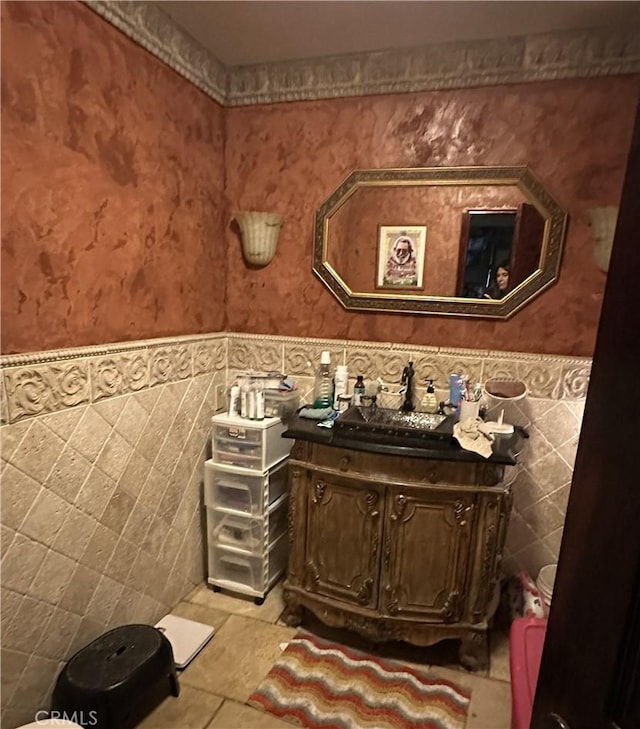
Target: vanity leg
{"x": 474, "y": 651}
{"x": 293, "y": 611}
{"x": 292, "y": 615}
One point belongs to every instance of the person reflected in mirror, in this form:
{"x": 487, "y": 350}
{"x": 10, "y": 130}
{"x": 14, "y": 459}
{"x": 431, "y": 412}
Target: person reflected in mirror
{"x": 401, "y": 267}
{"x": 500, "y": 287}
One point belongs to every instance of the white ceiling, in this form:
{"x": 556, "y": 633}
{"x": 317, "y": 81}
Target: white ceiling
{"x": 240, "y": 32}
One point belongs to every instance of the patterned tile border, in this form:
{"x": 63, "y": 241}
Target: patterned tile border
{"x": 546, "y": 376}
{"x": 46, "y": 382}
{"x": 154, "y": 30}
{"x": 544, "y": 57}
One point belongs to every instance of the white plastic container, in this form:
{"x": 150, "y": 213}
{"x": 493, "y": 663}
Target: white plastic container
{"x": 253, "y": 444}
{"x": 234, "y": 489}
{"x": 251, "y": 574}
{"x": 249, "y": 533}
{"x": 280, "y": 404}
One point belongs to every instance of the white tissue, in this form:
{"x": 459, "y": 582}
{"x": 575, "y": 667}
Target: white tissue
{"x": 473, "y": 435}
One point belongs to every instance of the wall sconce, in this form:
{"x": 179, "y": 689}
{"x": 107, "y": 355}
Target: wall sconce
{"x": 259, "y": 235}
{"x": 603, "y": 224}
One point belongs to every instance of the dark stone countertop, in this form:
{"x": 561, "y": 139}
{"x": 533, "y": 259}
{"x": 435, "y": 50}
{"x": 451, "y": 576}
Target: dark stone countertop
{"x": 443, "y": 446}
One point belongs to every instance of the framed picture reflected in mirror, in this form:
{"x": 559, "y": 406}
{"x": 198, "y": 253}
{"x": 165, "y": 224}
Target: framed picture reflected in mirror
{"x": 401, "y": 250}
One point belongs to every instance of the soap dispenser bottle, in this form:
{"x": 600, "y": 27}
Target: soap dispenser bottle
{"x": 323, "y": 387}
{"x": 429, "y": 402}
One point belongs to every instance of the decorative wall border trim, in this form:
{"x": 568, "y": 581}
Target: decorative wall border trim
{"x": 154, "y": 30}
{"x": 44, "y": 382}
{"x": 54, "y": 355}
{"x": 47, "y": 382}
{"x": 543, "y": 57}
{"x": 547, "y": 376}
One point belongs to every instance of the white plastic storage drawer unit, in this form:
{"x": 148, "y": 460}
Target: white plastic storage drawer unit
{"x": 253, "y": 444}
{"x": 245, "y": 494}
{"x": 252, "y": 534}
{"x": 243, "y": 491}
{"x": 253, "y": 574}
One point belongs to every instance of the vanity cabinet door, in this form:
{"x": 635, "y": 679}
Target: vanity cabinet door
{"x": 426, "y": 553}
{"x": 343, "y": 540}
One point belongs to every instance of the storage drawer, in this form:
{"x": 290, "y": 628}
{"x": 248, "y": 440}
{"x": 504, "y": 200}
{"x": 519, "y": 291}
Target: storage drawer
{"x": 252, "y": 534}
{"x": 229, "y": 567}
{"x": 235, "y": 489}
{"x": 242, "y": 443}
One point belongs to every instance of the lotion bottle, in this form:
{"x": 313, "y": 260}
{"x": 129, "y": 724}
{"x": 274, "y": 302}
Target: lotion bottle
{"x": 429, "y": 402}
{"x": 323, "y": 388}
{"x": 341, "y": 384}
{"x": 234, "y": 400}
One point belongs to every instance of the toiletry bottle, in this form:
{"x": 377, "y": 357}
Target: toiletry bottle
{"x": 260, "y": 404}
{"x": 456, "y": 388}
{"x": 341, "y": 384}
{"x": 234, "y": 400}
{"x": 323, "y": 388}
{"x": 251, "y": 404}
{"x": 244, "y": 397}
{"x": 358, "y": 390}
{"x": 429, "y": 402}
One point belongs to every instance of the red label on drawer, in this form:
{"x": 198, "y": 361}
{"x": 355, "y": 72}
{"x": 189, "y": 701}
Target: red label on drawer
{"x": 235, "y": 432}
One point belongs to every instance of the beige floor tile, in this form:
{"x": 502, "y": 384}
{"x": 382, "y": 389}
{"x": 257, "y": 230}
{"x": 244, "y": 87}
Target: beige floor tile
{"x": 238, "y": 657}
{"x": 490, "y": 706}
{"x": 239, "y": 716}
{"x": 499, "y": 654}
{"x": 193, "y": 709}
{"x": 201, "y": 614}
{"x": 246, "y": 645}
{"x": 237, "y": 604}
{"x": 188, "y": 598}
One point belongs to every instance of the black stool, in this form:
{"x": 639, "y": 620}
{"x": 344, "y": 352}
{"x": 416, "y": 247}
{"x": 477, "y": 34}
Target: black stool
{"x": 117, "y": 679}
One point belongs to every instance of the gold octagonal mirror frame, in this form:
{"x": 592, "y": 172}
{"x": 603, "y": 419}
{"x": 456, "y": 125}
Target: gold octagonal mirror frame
{"x": 522, "y": 178}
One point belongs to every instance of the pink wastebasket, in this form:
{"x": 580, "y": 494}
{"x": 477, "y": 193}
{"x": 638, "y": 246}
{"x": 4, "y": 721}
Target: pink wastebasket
{"x": 526, "y": 640}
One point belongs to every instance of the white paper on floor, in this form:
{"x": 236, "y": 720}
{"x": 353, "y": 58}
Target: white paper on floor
{"x": 187, "y": 637}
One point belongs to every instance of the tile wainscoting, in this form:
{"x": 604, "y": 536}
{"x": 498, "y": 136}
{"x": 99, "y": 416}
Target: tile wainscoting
{"x": 551, "y": 413}
{"x": 102, "y": 456}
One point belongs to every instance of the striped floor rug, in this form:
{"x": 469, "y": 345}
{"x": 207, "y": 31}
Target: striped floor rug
{"x": 323, "y": 685}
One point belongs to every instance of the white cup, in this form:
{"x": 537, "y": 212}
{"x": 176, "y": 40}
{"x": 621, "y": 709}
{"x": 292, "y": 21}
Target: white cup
{"x": 469, "y": 410}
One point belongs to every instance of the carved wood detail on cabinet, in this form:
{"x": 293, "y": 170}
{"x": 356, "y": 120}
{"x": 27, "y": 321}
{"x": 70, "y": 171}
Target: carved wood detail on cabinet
{"x": 395, "y": 547}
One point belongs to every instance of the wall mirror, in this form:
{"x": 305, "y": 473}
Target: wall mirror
{"x": 468, "y": 241}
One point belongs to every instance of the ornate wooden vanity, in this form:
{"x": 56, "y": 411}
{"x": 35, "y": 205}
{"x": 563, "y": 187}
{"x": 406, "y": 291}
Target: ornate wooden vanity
{"x": 396, "y": 543}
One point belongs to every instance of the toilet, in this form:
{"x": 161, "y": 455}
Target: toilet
{"x": 544, "y": 584}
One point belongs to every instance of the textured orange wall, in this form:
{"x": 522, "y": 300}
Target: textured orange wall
{"x": 288, "y": 158}
{"x": 112, "y": 187}
{"x": 115, "y": 221}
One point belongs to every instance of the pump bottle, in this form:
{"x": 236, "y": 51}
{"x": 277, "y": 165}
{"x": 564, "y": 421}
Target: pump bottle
{"x": 341, "y": 387}
{"x": 429, "y": 403}
{"x": 323, "y": 387}
{"x": 358, "y": 390}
